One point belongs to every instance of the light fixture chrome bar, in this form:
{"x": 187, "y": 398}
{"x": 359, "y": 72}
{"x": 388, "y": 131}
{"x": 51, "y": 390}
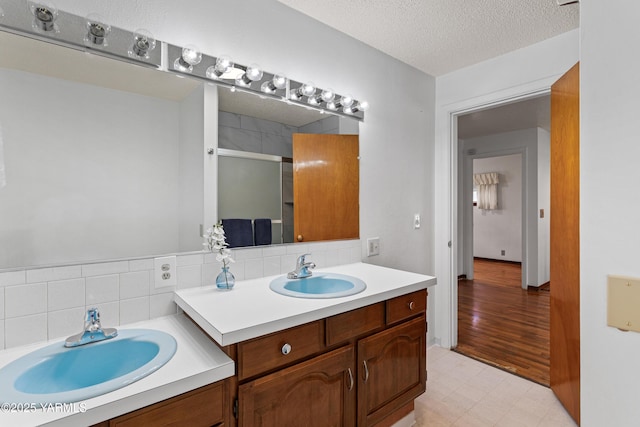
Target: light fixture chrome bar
{"x": 71, "y": 31}
{"x": 141, "y": 48}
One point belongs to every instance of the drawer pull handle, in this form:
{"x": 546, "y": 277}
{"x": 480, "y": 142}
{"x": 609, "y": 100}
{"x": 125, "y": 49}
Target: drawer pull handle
{"x": 412, "y": 305}
{"x": 286, "y": 349}
{"x": 366, "y": 371}
{"x": 350, "y": 379}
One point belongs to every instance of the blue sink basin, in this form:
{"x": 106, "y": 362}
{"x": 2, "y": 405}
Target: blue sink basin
{"x": 56, "y": 374}
{"x": 322, "y": 285}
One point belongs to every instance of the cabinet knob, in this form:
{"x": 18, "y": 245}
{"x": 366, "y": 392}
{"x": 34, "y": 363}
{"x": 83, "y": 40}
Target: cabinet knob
{"x": 300, "y": 238}
{"x": 286, "y": 349}
{"x": 412, "y": 305}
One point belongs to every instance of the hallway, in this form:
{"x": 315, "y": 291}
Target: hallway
{"x": 503, "y": 325}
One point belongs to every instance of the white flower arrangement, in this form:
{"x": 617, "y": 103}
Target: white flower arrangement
{"x": 216, "y": 242}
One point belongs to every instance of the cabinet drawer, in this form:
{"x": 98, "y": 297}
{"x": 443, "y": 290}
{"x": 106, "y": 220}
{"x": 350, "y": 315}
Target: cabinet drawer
{"x": 406, "y": 306}
{"x": 201, "y": 407}
{"x": 345, "y": 326}
{"x": 280, "y": 348}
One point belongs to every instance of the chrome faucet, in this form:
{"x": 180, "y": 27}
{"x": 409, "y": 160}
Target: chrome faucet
{"x": 302, "y": 268}
{"x": 93, "y": 331}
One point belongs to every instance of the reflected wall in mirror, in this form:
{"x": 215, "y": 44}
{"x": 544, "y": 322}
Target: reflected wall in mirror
{"x": 256, "y": 165}
{"x": 91, "y": 150}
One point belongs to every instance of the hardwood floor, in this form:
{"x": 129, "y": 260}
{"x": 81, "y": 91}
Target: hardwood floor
{"x": 502, "y": 324}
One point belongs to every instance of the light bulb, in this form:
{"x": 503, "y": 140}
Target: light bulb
{"x": 190, "y": 57}
{"x": 346, "y": 100}
{"x": 253, "y": 73}
{"x": 223, "y": 64}
{"x": 360, "y": 106}
{"x": 45, "y": 14}
{"x": 307, "y": 89}
{"x": 143, "y": 43}
{"x": 97, "y": 30}
{"x": 279, "y": 81}
{"x": 327, "y": 95}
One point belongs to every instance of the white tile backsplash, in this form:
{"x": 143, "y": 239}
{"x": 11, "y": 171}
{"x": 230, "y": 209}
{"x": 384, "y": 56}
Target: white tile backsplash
{"x": 55, "y": 304}
{"x": 189, "y": 276}
{"x": 23, "y": 300}
{"x": 271, "y": 265}
{"x": 25, "y": 330}
{"x": 109, "y": 313}
{"x": 161, "y": 305}
{"x": 253, "y": 268}
{"x": 141, "y": 264}
{"x": 134, "y": 310}
{"x": 63, "y": 294}
{"x": 133, "y": 285}
{"x": 64, "y": 323}
{"x": 102, "y": 289}
{"x": 105, "y": 268}
{"x": 54, "y": 273}
{"x": 13, "y": 278}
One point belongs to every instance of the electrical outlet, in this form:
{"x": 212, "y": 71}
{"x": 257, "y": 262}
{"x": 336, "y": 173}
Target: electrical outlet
{"x": 416, "y": 221}
{"x": 164, "y": 272}
{"x": 503, "y": 252}
{"x": 373, "y": 246}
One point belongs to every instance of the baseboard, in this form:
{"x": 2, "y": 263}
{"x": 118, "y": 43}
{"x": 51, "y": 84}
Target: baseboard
{"x": 497, "y": 260}
{"x": 544, "y": 287}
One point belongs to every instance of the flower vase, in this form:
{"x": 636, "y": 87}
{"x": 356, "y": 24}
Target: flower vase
{"x": 225, "y": 280}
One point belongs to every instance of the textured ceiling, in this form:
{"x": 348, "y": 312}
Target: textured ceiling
{"x": 439, "y": 36}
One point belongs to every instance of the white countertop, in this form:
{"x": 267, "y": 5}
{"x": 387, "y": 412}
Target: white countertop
{"x": 196, "y": 363}
{"x": 252, "y": 309}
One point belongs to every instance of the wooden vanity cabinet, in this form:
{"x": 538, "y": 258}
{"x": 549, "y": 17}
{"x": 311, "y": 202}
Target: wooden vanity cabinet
{"x": 317, "y": 393}
{"x": 367, "y": 371}
{"x": 392, "y": 370}
{"x": 202, "y": 407}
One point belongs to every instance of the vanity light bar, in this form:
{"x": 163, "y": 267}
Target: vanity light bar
{"x": 92, "y": 34}
{"x": 72, "y": 31}
{"x": 229, "y": 80}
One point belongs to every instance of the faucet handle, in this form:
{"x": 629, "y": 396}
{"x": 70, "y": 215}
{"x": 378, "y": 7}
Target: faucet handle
{"x": 301, "y": 258}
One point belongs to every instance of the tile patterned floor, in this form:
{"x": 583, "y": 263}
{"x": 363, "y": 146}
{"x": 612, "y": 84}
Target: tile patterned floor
{"x": 467, "y": 393}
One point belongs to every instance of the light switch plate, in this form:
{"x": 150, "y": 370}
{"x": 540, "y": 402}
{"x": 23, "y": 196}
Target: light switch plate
{"x": 373, "y": 246}
{"x": 623, "y": 300}
{"x": 164, "y": 272}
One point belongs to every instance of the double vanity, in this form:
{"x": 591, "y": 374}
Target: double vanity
{"x": 259, "y": 353}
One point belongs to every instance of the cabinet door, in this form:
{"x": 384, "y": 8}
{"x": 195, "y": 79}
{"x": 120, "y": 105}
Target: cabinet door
{"x": 391, "y": 370}
{"x": 319, "y": 392}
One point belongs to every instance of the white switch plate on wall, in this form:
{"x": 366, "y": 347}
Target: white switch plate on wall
{"x": 164, "y": 272}
{"x": 373, "y": 246}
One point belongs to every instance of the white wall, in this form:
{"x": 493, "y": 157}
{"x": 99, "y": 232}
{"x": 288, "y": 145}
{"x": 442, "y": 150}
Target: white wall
{"x": 609, "y": 206}
{"x": 80, "y": 195}
{"x": 507, "y": 77}
{"x": 500, "y": 229}
{"x": 544, "y": 202}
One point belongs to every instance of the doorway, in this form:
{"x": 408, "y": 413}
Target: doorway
{"x": 502, "y": 318}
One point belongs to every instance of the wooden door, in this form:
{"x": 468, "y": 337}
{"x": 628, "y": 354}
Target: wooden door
{"x": 317, "y": 393}
{"x": 565, "y": 241}
{"x": 326, "y": 188}
{"x": 392, "y": 370}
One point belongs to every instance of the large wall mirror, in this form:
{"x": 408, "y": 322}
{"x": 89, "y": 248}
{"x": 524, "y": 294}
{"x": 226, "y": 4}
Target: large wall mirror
{"x": 97, "y": 151}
